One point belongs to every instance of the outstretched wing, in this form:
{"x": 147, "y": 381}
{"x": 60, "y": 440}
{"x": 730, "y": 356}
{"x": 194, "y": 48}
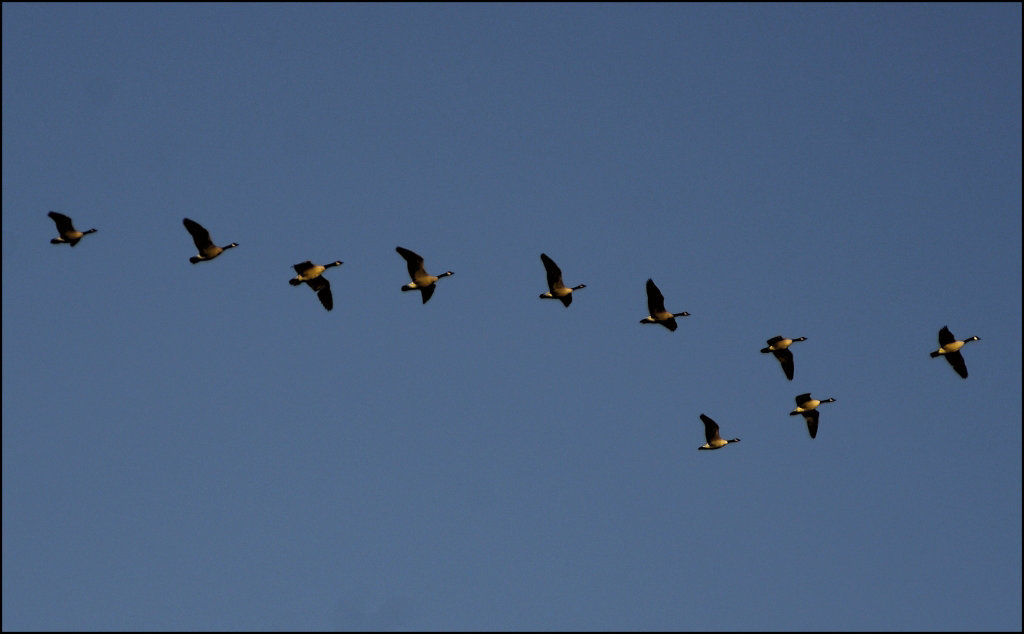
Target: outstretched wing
{"x": 655, "y": 300}
{"x": 63, "y": 222}
{"x": 199, "y": 234}
{"x": 785, "y": 357}
{"x": 945, "y": 336}
{"x": 812, "y": 422}
{"x": 957, "y": 361}
{"x": 554, "y": 273}
{"x": 323, "y": 291}
{"x": 710, "y": 428}
{"x": 413, "y": 262}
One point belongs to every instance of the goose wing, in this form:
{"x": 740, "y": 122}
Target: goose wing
{"x": 426, "y": 292}
{"x": 812, "y": 422}
{"x": 413, "y": 262}
{"x": 323, "y": 291}
{"x": 655, "y": 300}
{"x": 554, "y": 275}
{"x": 957, "y": 361}
{"x": 785, "y": 357}
{"x": 199, "y": 234}
{"x": 63, "y": 222}
{"x": 945, "y": 336}
{"x": 710, "y": 428}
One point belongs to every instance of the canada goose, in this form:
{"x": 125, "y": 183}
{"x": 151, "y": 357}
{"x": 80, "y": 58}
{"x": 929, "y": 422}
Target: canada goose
{"x": 556, "y": 289}
{"x": 808, "y": 407}
{"x": 780, "y": 348}
{"x": 312, "y": 274}
{"x": 421, "y": 280}
{"x": 949, "y": 347}
{"x": 67, "y": 231}
{"x": 207, "y": 249}
{"x": 656, "y": 306}
{"x": 714, "y": 441}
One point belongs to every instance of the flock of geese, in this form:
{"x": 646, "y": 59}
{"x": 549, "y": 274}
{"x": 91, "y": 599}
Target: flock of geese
{"x": 312, "y": 275}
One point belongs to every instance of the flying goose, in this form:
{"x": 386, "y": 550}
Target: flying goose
{"x": 714, "y": 441}
{"x": 67, "y": 231}
{"x": 780, "y": 348}
{"x": 808, "y": 407}
{"x": 312, "y": 274}
{"x": 207, "y": 249}
{"x": 421, "y": 280}
{"x": 949, "y": 347}
{"x": 556, "y": 289}
{"x": 656, "y": 307}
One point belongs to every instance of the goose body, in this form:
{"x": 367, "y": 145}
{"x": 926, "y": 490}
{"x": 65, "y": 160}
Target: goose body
{"x": 67, "y": 234}
{"x": 207, "y": 249}
{"x": 556, "y": 289}
{"x": 421, "y": 280}
{"x": 809, "y": 408}
{"x": 779, "y": 346}
{"x": 949, "y": 347}
{"x": 656, "y": 307}
{"x": 312, "y": 275}
{"x": 711, "y": 435}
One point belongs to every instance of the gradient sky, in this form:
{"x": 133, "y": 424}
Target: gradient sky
{"x": 205, "y": 447}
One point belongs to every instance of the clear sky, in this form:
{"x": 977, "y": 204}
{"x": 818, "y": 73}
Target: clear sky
{"x": 205, "y": 447}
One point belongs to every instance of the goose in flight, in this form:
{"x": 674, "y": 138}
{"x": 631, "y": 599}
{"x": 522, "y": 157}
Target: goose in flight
{"x": 421, "y": 280}
{"x": 949, "y": 347}
{"x": 207, "y": 249}
{"x": 312, "y": 274}
{"x": 656, "y": 307}
{"x": 779, "y": 346}
{"x": 67, "y": 232}
{"x": 556, "y": 289}
{"x": 714, "y": 440}
{"x": 809, "y": 408}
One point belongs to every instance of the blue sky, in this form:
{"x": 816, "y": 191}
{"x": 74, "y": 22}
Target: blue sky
{"x": 205, "y": 447}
